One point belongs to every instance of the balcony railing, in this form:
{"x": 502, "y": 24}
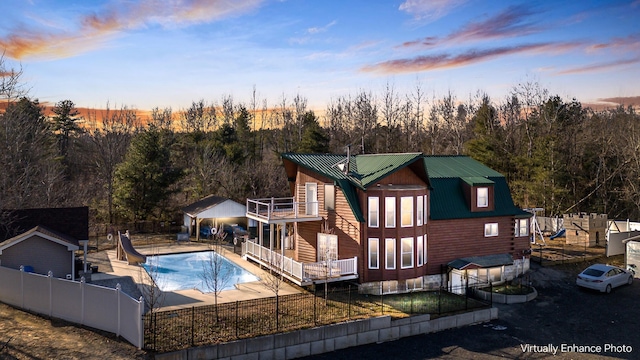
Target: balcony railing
{"x": 302, "y": 273}
{"x": 281, "y": 209}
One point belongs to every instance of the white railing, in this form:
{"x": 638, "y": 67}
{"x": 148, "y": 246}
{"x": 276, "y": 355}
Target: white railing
{"x": 85, "y": 304}
{"x": 302, "y": 273}
{"x": 281, "y": 208}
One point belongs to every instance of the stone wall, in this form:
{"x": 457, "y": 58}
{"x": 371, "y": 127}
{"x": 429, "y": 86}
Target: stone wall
{"x": 329, "y": 338}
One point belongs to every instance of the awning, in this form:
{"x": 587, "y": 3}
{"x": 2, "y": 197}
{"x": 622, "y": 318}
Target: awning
{"x": 486, "y": 261}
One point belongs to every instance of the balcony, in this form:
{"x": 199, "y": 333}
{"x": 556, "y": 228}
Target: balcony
{"x": 281, "y": 210}
{"x": 302, "y": 274}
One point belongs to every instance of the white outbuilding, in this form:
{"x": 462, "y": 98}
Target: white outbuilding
{"x": 215, "y": 210}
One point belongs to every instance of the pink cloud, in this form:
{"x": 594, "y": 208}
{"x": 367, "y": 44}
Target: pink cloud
{"x": 98, "y": 27}
{"x": 444, "y": 61}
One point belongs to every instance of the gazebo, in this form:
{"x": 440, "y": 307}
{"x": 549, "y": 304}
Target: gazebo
{"x": 215, "y": 208}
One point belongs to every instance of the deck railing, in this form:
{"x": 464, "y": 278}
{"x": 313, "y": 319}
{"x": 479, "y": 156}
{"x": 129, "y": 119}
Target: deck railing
{"x": 302, "y": 273}
{"x": 281, "y": 208}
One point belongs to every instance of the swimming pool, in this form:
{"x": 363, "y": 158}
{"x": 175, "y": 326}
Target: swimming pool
{"x": 184, "y": 271}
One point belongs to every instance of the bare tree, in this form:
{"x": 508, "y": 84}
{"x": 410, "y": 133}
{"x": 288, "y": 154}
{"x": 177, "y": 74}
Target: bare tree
{"x": 11, "y": 86}
{"x": 214, "y": 276}
{"x": 110, "y": 137}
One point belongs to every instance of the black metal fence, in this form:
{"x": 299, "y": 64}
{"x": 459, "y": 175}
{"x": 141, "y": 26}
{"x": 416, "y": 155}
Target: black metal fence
{"x": 211, "y": 324}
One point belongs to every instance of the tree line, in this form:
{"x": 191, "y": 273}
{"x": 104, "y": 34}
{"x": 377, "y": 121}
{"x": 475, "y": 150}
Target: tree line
{"x": 555, "y": 153}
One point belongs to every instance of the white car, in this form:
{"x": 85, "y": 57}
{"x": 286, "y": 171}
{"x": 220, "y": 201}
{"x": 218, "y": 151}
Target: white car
{"x": 604, "y": 277}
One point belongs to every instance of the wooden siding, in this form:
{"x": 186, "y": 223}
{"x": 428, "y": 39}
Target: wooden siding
{"x": 341, "y": 221}
{"x": 41, "y": 254}
{"x": 452, "y": 239}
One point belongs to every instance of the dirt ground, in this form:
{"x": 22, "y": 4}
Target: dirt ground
{"x": 27, "y": 336}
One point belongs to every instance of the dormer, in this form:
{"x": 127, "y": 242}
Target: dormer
{"x": 479, "y": 193}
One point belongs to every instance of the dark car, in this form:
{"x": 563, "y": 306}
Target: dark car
{"x": 235, "y": 233}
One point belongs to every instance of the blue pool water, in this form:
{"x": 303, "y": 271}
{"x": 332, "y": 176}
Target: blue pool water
{"x": 184, "y": 271}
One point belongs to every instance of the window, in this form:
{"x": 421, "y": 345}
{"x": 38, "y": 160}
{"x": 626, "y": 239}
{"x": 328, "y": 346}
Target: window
{"x": 491, "y": 229}
{"x": 425, "y": 248}
{"x": 426, "y": 208}
{"x": 327, "y": 247}
{"x": 522, "y": 227}
{"x": 390, "y": 256}
{"x": 407, "y": 253}
{"x": 373, "y": 253}
{"x": 420, "y": 250}
{"x": 495, "y": 274}
{"x": 374, "y": 210}
{"x": 329, "y": 197}
{"x": 419, "y": 210}
{"x": 406, "y": 211}
{"x": 483, "y": 197}
{"x": 390, "y": 212}
{"x": 311, "y": 202}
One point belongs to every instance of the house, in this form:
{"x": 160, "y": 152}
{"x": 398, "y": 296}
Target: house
{"x": 43, "y": 240}
{"x": 41, "y": 250}
{"x": 393, "y": 222}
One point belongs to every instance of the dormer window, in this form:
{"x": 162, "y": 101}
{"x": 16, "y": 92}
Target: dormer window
{"x": 479, "y": 193}
{"x": 482, "y": 194}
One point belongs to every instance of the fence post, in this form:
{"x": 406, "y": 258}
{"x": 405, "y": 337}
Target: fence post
{"x": 315, "y": 315}
{"x": 141, "y": 323}
{"x": 193, "y": 311}
{"x": 50, "y": 276}
{"x": 440, "y": 300}
{"x": 22, "y": 286}
{"x": 349, "y": 304}
{"x": 82, "y": 280}
{"x": 118, "y": 289}
{"x": 237, "y": 306}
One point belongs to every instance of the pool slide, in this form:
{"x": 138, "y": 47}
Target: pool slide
{"x": 127, "y": 252}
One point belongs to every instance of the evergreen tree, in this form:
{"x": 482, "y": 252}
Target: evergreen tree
{"x": 146, "y": 176}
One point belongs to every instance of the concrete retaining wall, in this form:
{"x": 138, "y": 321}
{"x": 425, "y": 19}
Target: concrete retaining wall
{"x": 506, "y": 299}
{"x": 328, "y": 338}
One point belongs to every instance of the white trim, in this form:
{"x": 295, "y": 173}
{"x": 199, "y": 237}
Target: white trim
{"x": 485, "y": 203}
{"x": 406, "y": 200}
{"x": 490, "y": 227}
{"x": 410, "y": 241}
{"x": 386, "y": 253}
{"x": 23, "y": 237}
{"x": 377, "y": 217}
{"x": 377, "y": 249}
{"x": 389, "y": 200}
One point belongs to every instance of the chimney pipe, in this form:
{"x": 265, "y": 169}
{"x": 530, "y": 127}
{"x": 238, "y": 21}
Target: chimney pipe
{"x": 346, "y": 165}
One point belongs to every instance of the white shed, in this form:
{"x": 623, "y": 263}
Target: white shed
{"x": 632, "y": 254}
{"x": 214, "y": 208}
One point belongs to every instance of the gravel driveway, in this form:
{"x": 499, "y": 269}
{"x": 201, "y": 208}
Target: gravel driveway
{"x": 594, "y": 325}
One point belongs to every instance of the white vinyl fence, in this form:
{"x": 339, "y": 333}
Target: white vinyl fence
{"x": 85, "y": 304}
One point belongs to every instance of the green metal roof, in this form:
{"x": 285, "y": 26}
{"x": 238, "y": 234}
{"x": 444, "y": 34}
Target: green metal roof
{"x": 364, "y": 170}
{"x": 442, "y": 173}
{"x": 486, "y": 261}
{"x": 457, "y": 166}
{"x": 447, "y": 198}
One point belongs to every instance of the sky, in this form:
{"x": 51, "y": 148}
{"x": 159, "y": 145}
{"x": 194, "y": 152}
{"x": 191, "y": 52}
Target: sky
{"x": 168, "y": 53}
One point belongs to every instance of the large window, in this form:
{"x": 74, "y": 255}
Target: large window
{"x": 327, "y": 247}
{"x": 426, "y": 209}
{"x": 425, "y": 248}
{"x": 419, "y": 210}
{"x": 374, "y": 211}
{"x": 483, "y": 197}
{"x": 420, "y": 250}
{"x": 491, "y": 229}
{"x": 522, "y": 227}
{"x": 311, "y": 192}
{"x": 407, "y": 253}
{"x": 374, "y": 257}
{"x": 390, "y": 253}
{"x": 390, "y": 212}
{"x": 406, "y": 211}
{"x": 329, "y": 197}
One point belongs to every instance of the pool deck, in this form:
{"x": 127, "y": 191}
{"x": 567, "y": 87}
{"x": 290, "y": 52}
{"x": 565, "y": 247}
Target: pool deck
{"x": 113, "y": 268}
